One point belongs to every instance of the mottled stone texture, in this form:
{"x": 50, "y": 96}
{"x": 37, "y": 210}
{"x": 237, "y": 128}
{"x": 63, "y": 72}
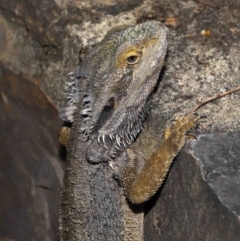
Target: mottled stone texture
{"x": 40, "y": 43}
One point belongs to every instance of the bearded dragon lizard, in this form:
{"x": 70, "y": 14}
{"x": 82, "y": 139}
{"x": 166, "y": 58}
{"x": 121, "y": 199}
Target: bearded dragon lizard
{"x": 109, "y": 97}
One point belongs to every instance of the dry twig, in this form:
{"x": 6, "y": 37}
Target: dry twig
{"x": 203, "y": 102}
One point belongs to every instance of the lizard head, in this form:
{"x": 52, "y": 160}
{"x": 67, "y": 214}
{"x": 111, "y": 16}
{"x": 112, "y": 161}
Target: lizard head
{"x": 116, "y": 80}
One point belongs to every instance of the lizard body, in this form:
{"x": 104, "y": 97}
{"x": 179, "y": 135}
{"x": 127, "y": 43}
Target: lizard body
{"x": 109, "y": 96}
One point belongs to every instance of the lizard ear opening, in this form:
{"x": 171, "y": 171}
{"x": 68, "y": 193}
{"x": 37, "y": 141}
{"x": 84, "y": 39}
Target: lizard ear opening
{"x": 105, "y": 114}
{"x": 109, "y": 105}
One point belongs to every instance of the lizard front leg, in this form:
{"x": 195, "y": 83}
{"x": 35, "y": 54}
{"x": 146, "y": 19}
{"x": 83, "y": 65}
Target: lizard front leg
{"x": 140, "y": 186}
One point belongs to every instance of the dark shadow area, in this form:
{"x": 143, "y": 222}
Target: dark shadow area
{"x": 30, "y": 169}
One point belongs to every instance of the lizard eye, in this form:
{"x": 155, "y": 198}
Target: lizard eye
{"x": 129, "y": 58}
{"x": 133, "y": 59}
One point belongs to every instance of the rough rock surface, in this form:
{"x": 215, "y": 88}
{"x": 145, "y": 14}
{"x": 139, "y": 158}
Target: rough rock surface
{"x": 200, "y": 199}
{"x": 41, "y": 41}
{"x": 30, "y": 173}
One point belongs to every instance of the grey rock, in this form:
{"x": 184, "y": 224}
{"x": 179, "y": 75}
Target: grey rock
{"x": 218, "y": 156}
{"x": 200, "y": 199}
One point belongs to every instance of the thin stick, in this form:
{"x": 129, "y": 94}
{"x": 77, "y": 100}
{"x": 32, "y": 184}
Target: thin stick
{"x": 203, "y": 102}
{"x": 207, "y": 3}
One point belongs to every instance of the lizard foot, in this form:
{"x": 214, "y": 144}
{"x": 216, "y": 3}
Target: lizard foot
{"x": 64, "y": 135}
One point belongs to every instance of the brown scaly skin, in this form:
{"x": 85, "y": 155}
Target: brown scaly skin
{"x": 64, "y": 135}
{"x": 139, "y": 187}
{"x": 109, "y": 96}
